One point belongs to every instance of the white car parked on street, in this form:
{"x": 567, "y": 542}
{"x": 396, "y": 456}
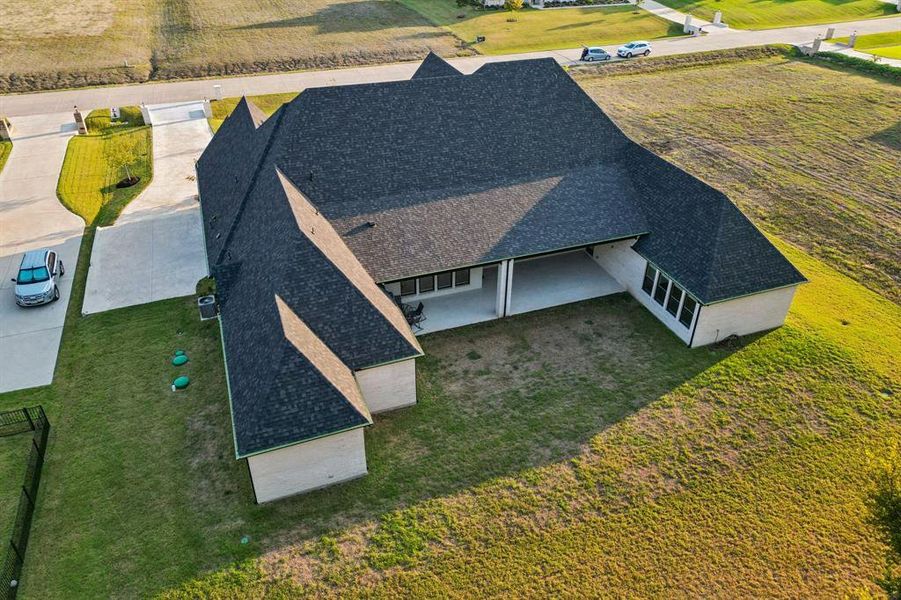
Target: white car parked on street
{"x": 634, "y": 49}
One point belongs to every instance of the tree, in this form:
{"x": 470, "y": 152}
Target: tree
{"x": 513, "y": 6}
{"x": 122, "y": 152}
{"x": 885, "y": 506}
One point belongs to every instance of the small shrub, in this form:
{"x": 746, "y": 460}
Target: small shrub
{"x": 206, "y": 287}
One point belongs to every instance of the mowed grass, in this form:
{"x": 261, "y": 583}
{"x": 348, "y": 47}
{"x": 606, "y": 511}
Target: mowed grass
{"x": 534, "y": 30}
{"x": 268, "y": 103}
{"x": 5, "y": 149}
{"x": 87, "y": 181}
{"x": 768, "y": 14}
{"x": 75, "y": 42}
{"x": 559, "y": 453}
{"x": 887, "y": 45}
{"x": 14, "y": 450}
{"x": 810, "y": 153}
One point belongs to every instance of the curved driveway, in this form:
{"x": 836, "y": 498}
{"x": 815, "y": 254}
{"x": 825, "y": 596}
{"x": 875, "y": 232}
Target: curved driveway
{"x": 31, "y": 217}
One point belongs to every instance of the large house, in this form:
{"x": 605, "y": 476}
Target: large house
{"x": 480, "y": 196}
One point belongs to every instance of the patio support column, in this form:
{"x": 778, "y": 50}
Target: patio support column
{"x": 501, "y": 302}
{"x": 508, "y": 301}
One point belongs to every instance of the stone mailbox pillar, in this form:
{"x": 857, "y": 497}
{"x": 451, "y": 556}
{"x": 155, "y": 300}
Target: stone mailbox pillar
{"x": 718, "y": 17}
{"x": 816, "y": 46}
{"x": 145, "y": 114}
{"x": 6, "y": 129}
{"x": 830, "y": 33}
{"x": 207, "y": 109}
{"x": 852, "y": 40}
{"x": 217, "y": 92}
{"x": 79, "y": 121}
{"x": 687, "y": 27}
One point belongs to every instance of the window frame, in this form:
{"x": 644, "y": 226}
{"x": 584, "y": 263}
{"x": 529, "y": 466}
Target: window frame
{"x": 407, "y": 281}
{"x": 650, "y": 268}
{"x": 468, "y": 277}
{"x": 420, "y": 280}
{"x": 694, "y": 310}
{"x": 674, "y": 288}
{"x": 450, "y": 281}
{"x": 662, "y": 301}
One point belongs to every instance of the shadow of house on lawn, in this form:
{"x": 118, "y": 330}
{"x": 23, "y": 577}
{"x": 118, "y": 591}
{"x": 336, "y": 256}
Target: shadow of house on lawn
{"x": 496, "y": 399}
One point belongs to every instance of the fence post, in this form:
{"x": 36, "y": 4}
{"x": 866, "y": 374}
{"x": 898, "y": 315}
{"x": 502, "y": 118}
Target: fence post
{"x": 27, "y": 416}
{"x": 16, "y": 550}
{"x": 38, "y": 448}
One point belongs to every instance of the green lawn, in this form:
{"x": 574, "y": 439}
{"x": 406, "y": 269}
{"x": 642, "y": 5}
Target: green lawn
{"x": 14, "y": 450}
{"x": 87, "y": 182}
{"x": 268, "y": 103}
{"x": 767, "y": 14}
{"x": 5, "y": 149}
{"x": 880, "y": 44}
{"x": 544, "y": 29}
{"x": 552, "y": 454}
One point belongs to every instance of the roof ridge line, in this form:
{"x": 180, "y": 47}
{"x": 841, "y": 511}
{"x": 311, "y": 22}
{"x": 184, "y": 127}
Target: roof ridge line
{"x": 250, "y": 186}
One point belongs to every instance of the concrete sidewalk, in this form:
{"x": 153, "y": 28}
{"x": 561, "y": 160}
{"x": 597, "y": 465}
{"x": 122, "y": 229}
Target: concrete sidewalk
{"x": 31, "y": 217}
{"x": 843, "y": 49}
{"x": 155, "y": 250}
{"x": 182, "y": 91}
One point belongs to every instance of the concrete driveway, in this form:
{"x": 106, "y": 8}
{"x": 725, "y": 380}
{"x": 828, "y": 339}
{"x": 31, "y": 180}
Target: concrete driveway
{"x": 31, "y": 217}
{"x": 155, "y": 249}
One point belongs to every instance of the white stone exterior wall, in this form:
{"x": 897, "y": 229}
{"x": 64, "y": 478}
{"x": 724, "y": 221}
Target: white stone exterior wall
{"x": 390, "y": 386}
{"x": 627, "y": 267}
{"x": 742, "y": 316}
{"x": 713, "y": 322}
{"x": 308, "y": 466}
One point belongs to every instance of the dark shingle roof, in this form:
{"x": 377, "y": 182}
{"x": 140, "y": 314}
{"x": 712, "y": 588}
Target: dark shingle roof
{"x": 435, "y": 66}
{"x": 439, "y": 172}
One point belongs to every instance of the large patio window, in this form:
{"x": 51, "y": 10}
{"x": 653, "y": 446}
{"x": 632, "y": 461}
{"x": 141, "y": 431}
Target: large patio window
{"x": 461, "y": 277}
{"x": 648, "y": 284}
{"x": 407, "y": 287}
{"x": 675, "y": 297}
{"x": 688, "y": 311}
{"x": 426, "y": 284}
{"x": 660, "y": 291}
{"x": 445, "y": 280}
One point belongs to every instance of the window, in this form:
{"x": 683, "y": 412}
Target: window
{"x": 426, "y": 284}
{"x": 648, "y": 284}
{"x": 445, "y": 280}
{"x": 688, "y": 311}
{"x": 675, "y": 296}
{"x": 51, "y": 261}
{"x": 660, "y": 290}
{"x": 461, "y": 277}
{"x": 407, "y": 287}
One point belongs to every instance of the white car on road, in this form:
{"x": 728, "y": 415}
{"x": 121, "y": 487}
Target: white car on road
{"x": 634, "y": 49}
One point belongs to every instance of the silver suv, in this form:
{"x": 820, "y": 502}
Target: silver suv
{"x": 38, "y": 278}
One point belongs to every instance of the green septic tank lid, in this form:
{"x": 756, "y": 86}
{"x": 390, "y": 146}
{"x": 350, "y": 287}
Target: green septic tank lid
{"x": 179, "y": 360}
{"x": 181, "y": 383}
{"x": 179, "y": 353}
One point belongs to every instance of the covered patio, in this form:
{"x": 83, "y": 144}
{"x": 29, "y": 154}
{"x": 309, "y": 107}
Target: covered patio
{"x": 557, "y": 279}
{"x": 524, "y": 285}
{"x": 463, "y": 308}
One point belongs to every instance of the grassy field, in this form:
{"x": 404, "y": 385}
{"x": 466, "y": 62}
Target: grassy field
{"x": 767, "y": 14}
{"x": 552, "y": 454}
{"x": 879, "y": 44}
{"x": 87, "y": 181}
{"x": 75, "y": 42}
{"x": 268, "y": 103}
{"x": 809, "y": 152}
{"x": 544, "y": 29}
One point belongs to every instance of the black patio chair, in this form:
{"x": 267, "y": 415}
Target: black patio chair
{"x": 416, "y": 317}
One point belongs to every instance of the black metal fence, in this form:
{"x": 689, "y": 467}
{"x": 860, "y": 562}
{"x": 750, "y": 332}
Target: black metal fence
{"x": 12, "y": 423}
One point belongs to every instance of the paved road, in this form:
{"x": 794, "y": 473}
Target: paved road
{"x": 155, "y": 250}
{"x": 181, "y": 91}
{"x": 31, "y": 217}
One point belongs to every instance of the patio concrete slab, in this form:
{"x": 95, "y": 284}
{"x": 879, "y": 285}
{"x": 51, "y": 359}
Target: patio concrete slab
{"x": 558, "y": 279}
{"x": 463, "y": 308}
{"x": 31, "y": 218}
{"x": 155, "y": 250}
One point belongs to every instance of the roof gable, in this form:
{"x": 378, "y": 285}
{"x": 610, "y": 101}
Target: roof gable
{"x": 435, "y": 66}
